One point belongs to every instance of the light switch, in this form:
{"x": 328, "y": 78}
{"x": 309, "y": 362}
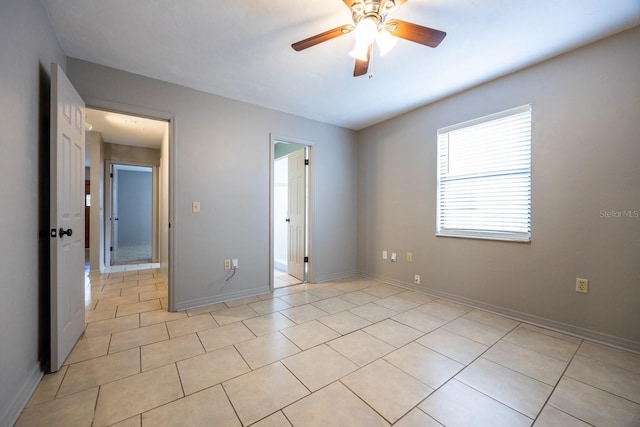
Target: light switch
{"x": 195, "y": 207}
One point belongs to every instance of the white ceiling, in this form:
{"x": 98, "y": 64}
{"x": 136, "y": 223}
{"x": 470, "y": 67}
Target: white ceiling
{"x": 122, "y": 129}
{"x": 240, "y": 49}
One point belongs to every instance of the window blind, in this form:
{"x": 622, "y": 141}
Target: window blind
{"x": 484, "y": 177}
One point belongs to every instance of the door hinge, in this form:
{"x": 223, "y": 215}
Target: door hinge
{"x": 111, "y": 249}
{"x": 111, "y": 174}
{"x": 306, "y": 259}
{"x": 306, "y": 162}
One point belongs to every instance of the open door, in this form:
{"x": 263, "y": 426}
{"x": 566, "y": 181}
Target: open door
{"x": 296, "y": 217}
{"x": 67, "y": 217}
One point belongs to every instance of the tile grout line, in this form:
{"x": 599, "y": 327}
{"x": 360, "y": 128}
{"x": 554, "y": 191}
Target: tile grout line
{"x": 466, "y": 365}
{"x": 564, "y": 371}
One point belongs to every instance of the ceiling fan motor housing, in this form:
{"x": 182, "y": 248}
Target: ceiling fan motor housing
{"x": 376, "y": 9}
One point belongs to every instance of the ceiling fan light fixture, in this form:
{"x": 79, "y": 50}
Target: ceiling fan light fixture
{"x": 366, "y": 30}
{"x": 360, "y": 51}
{"x": 385, "y": 41}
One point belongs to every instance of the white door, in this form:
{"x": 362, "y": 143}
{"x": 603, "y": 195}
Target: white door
{"x": 67, "y": 217}
{"x": 297, "y": 186}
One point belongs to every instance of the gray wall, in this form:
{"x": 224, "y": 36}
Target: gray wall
{"x": 222, "y": 159}
{"x": 586, "y": 157}
{"x": 134, "y": 207}
{"x": 27, "y": 48}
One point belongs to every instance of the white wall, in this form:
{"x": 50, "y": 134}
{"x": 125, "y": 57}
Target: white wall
{"x": 222, "y": 159}
{"x": 585, "y": 160}
{"x": 131, "y": 155}
{"x": 27, "y": 48}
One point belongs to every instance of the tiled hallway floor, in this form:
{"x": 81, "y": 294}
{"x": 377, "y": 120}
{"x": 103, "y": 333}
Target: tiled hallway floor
{"x": 349, "y": 353}
{"x": 281, "y": 279}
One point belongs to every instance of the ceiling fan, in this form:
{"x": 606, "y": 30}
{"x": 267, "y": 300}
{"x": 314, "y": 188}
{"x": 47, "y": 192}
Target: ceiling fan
{"x": 370, "y": 24}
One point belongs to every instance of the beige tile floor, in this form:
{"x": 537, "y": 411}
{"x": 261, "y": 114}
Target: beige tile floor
{"x": 281, "y": 279}
{"x": 348, "y": 353}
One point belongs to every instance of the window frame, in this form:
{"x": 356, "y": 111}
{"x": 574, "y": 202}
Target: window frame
{"x": 473, "y": 232}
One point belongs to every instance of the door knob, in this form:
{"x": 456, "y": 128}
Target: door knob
{"x": 64, "y": 232}
{"x": 288, "y": 220}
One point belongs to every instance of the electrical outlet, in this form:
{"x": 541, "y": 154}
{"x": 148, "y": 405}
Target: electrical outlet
{"x": 394, "y": 257}
{"x": 234, "y": 263}
{"x": 416, "y": 279}
{"x": 384, "y": 254}
{"x": 195, "y": 207}
{"x": 582, "y": 285}
{"x": 227, "y": 264}
{"x": 409, "y": 257}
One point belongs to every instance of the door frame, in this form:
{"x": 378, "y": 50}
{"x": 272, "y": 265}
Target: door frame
{"x": 171, "y": 119}
{"x": 308, "y": 145}
{"x": 110, "y": 225}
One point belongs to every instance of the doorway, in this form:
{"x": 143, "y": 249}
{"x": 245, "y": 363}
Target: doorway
{"x": 137, "y": 143}
{"x": 132, "y": 214}
{"x": 290, "y": 213}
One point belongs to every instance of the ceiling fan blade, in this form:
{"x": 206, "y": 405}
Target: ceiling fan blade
{"x": 322, "y": 37}
{"x": 415, "y": 33}
{"x": 362, "y": 67}
{"x": 350, "y": 3}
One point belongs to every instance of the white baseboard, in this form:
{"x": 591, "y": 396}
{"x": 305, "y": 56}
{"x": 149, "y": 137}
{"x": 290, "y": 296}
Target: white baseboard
{"x": 230, "y": 296}
{"x": 335, "y": 276}
{"x": 554, "y": 325}
{"x": 280, "y": 265}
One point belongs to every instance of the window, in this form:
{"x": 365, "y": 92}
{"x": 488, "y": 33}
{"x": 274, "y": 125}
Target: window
{"x": 484, "y": 177}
